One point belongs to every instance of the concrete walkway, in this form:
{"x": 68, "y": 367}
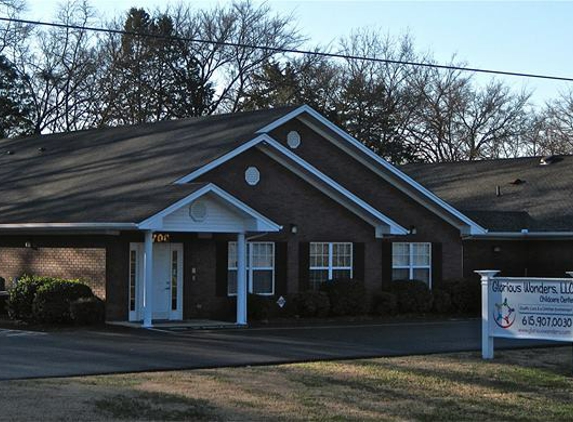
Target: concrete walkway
{"x": 82, "y": 352}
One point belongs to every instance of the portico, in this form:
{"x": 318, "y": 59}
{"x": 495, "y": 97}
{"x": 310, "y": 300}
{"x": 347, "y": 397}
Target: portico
{"x": 156, "y": 271}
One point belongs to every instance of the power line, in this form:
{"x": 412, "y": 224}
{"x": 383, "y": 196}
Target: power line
{"x": 286, "y": 50}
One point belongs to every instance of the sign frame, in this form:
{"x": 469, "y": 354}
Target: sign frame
{"x": 508, "y": 310}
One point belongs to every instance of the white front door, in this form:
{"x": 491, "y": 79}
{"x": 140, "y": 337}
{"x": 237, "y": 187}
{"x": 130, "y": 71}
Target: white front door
{"x": 167, "y": 292}
{"x": 161, "y": 295}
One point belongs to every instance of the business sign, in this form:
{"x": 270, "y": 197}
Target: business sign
{"x": 526, "y": 308}
{"x": 531, "y": 308}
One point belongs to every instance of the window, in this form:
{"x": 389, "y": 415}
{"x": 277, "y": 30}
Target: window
{"x": 252, "y": 176}
{"x": 329, "y": 261}
{"x": 132, "y": 278}
{"x": 260, "y": 268}
{"x": 174, "y": 277}
{"x": 412, "y": 261}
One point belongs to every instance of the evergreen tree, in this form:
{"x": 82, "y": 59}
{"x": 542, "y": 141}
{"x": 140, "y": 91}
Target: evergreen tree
{"x": 14, "y": 102}
{"x": 151, "y": 78}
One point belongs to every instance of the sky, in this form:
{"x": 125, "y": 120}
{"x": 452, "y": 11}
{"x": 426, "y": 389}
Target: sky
{"x": 519, "y": 36}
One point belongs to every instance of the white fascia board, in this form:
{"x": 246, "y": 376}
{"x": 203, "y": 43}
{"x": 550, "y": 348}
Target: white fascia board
{"x": 395, "y": 228}
{"x": 263, "y": 223}
{"x": 521, "y": 235}
{"x": 217, "y": 162}
{"x": 71, "y": 226}
{"x": 474, "y": 228}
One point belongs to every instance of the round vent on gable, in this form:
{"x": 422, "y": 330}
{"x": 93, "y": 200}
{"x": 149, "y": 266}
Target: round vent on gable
{"x": 252, "y": 176}
{"x": 293, "y": 139}
{"x": 198, "y": 211}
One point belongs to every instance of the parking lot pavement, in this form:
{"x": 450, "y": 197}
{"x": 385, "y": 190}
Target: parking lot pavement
{"x": 26, "y": 354}
{"x": 19, "y": 333}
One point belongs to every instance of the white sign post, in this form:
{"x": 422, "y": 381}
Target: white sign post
{"x": 525, "y": 308}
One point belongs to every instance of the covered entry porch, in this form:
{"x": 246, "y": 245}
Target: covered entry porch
{"x": 156, "y": 265}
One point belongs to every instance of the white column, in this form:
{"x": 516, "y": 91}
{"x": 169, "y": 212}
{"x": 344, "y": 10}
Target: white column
{"x": 241, "y": 279}
{"x": 148, "y": 280}
{"x": 486, "y": 339}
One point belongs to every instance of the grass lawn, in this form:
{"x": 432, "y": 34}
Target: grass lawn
{"x": 528, "y": 385}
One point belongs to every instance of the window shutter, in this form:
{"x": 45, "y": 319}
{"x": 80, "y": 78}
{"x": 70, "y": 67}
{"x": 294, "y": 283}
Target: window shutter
{"x": 436, "y": 264}
{"x": 358, "y": 261}
{"x": 281, "y": 275}
{"x": 386, "y": 263}
{"x": 303, "y": 266}
{"x": 221, "y": 268}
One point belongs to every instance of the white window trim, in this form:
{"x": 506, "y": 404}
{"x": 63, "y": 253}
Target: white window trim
{"x": 330, "y": 268}
{"x": 250, "y": 269}
{"x": 411, "y": 267}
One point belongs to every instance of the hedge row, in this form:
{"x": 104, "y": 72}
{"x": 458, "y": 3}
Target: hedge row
{"x": 460, "y": 296}
{"x": 350, "y": 298}
{"x": 54, "y": 301}
{"x": 336, "y": 298}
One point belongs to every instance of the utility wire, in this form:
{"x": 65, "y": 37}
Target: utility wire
{"x": 285, "y": 50}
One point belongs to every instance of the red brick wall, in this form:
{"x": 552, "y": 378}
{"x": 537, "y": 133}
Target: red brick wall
{"x": 370, "y": 187}
{"x": 87, "y": 264}
{"x": 287, "y": 199}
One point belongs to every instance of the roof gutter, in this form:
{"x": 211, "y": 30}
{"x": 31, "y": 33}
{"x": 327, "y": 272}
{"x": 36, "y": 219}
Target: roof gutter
{"x": 67, "y": 226}
{"x": 520, "y": 235}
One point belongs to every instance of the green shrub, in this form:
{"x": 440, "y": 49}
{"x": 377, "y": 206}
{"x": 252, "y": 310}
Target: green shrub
{"x": 384, "y": 303}
{"x": 3, "y": 299}
{"x": 52, "y": 300}
{"x": 465, "y": 294}
{"x": 21, "y": 296}
{"x": 3, "y": 306}
{"x": 347, "y": 297}
{"x": 310, "y": 304}
{"x": 442, "y": 301}
{"x": 87, "y": 311}
{"x": 259, "y": 307}
{"x": 413, "y": 296}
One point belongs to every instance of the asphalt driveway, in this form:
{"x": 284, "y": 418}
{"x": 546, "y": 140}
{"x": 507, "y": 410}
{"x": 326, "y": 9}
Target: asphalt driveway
{"x": 25, "y": 354}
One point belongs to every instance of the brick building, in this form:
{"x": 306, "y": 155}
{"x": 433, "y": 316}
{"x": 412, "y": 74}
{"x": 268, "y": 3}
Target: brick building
{"x": 180, "y": 219}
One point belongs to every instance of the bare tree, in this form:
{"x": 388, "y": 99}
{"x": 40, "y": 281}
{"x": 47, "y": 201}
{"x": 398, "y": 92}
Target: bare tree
{"x": 377, "y": 101}
{"x": 557, "y": 131}
{"x": 459, "y": 120}
{"x": 59, "y": 66}
{"x": 10, "y": 32}
{"x": 225, "y": 61}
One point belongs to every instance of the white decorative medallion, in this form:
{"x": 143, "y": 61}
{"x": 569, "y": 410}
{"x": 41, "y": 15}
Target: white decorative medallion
{"x": 293, "y": 139}
{"x": 252, "y": 176}
{"x": 198, "y": 211}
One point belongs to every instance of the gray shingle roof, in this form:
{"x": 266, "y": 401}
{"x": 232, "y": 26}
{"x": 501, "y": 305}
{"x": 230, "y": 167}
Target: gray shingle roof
{"x": 114, "y": 175}
{"x": 542, "y": 202}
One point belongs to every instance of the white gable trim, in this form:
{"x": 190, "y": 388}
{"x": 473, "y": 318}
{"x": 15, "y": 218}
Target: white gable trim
{"x": 474, "y": 228}
{"x": 224, "y": 158}
{"x": 263, "y": 224}
{"x": 395, "y": 228}
{"x": 374, "y": 216}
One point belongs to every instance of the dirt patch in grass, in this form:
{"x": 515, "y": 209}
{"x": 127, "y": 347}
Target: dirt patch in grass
{"x": 528, "y": 385}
